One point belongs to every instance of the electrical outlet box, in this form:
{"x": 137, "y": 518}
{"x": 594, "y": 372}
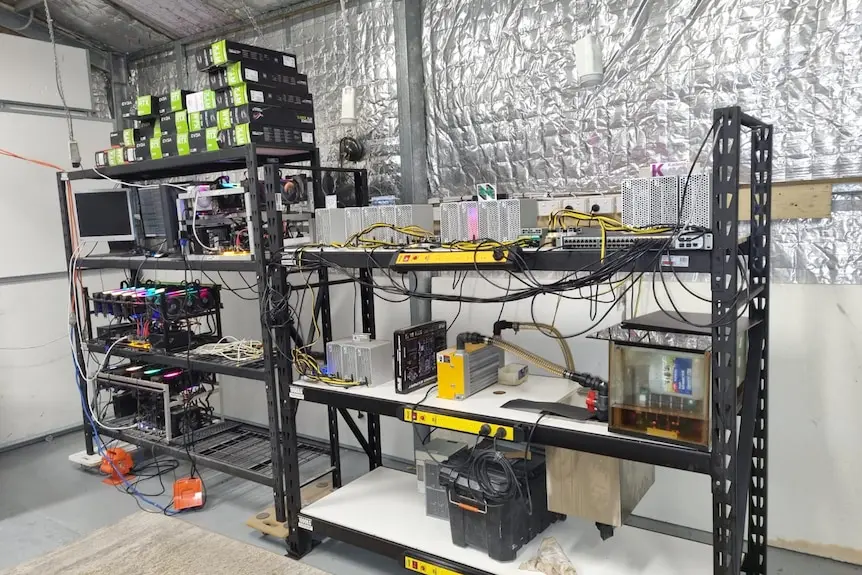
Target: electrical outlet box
{"x": 607, "y": 204}
{"x": 576, "y": 203}
{"x": 547, "y": 207}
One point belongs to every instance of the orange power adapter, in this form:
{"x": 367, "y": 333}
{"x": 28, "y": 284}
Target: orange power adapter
{"x": 188, "y": 493}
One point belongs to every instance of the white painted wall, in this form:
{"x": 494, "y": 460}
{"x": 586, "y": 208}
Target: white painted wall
{"x": 37, "y": 393}
{"x": 28, "y": 70}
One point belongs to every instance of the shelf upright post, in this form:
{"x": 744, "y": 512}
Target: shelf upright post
{"x": 298, "y": 541}
{"x": 366, "y": 296}
{"x": 727, "y": 551}
{"x": 62, "y": 183}
{"x": 257, "y": 239}
{"x": 326, "y": 324}
{"x": 759, "y": 270}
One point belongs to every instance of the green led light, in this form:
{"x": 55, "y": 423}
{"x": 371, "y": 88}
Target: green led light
{"x": 153, "y": 371}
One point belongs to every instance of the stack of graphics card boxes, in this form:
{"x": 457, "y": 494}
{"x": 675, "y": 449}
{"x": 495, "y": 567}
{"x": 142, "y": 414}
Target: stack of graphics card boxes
{"x": 156, "y": 127}
{"x": 255, "y": 95}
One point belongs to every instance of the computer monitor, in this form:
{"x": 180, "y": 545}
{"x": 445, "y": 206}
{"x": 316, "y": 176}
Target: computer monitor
{"x": 104, "y": 215}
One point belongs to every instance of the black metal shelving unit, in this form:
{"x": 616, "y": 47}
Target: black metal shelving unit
{"x": 737, "y": 459}
{"x": 270, "y": 456}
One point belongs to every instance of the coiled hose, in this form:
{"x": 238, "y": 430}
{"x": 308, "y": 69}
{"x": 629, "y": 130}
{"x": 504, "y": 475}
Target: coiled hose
{"x": 531, "y": 357}
{"x": 545, "y": 329}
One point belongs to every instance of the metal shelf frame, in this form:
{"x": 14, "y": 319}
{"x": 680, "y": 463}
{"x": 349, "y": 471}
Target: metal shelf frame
{"x": 284, "y": 452}
{"x": 737, "y": 461}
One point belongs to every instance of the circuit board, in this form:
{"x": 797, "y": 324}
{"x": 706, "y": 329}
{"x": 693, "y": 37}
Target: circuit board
{"x": 416, "y": 350}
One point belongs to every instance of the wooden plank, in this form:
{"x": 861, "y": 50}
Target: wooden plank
{"x": 793, "y": 200}
{"x": 265, "y": 520}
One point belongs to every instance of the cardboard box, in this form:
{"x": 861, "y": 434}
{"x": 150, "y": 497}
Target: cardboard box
{"x": 155, "y": 149}
{"x": 175, "y": 123}
{"x": 204, "y": 58}
{"x": 119, "y": 156}
{"x": 225, "y": 52}
{"x": 148, "y": 129}
{"x": 101, "y": 159}
{"x": 202, "y": 120}
{"x": 201, "y": 141}
{"x": 239, "y": 72}
{"x": 268, "y": 135}
{"x": 173, "y": 102}
{"x": 200, "y": 101}
{"x": 265, "y": 96}
{"x": 128, "y": 137}
{"x": 140, "y": 107}
{"x": 142, "y": 150}
{"x": 264, "y": 115}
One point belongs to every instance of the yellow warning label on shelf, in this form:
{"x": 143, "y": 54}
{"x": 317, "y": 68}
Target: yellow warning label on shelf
{"x": 459, "y": 424}
{"x": 449, "y": 258}
{"x": 418, "y": 566}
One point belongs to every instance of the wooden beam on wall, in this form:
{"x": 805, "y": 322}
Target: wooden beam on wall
{"x": 793, "y": 200}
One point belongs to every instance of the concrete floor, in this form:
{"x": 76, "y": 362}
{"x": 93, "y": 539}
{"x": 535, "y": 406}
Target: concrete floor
{"x": 46, "y": 502}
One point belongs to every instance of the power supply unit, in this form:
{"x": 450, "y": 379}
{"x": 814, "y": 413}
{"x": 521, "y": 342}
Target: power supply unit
{"x": 369, "y": 362}
{"x": 353, "y": 221}
{"x": 697, "y": 209}
{"x": 503, "y": 220}
{"x": 387, "y": 215}
{"x": 373, "y": 215}
{"x": 459, "y": 221}
{"x": 373, "y": 361}
{"x": 333, "y": 356}
{"x": 463, "y": 372}
{"x": 417, "y": 215}
{"x": 330, "y": 226}
{"x": 657, "y": 201}
{"x": 650, "y": 201}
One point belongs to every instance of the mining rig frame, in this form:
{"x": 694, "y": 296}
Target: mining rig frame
{"x": 268, "y": 456}
{"x": 737, "y": 462}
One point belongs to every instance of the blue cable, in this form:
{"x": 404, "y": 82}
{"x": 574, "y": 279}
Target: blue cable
{"x": 131, "y": 489}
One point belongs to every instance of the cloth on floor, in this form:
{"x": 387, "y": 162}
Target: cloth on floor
{"x": 550, "y": 560}
{"x": 153, "y": 544}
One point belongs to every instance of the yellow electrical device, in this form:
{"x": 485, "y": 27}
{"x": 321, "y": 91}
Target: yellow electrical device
{"x": 463, "y": 372}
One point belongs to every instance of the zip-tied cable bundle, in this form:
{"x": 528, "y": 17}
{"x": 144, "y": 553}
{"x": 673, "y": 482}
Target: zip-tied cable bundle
{"x": 232, "y": 348}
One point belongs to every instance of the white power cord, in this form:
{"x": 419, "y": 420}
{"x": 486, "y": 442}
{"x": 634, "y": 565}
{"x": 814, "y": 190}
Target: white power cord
{"x": 232, "y": 348}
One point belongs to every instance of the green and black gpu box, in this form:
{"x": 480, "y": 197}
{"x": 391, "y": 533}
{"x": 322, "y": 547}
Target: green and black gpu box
{"x": 274, "y": 136}
{"x": 258, "y": 115}
{"x": 264, "y": 96}
{"x": 239, "y": 73}
{"x": 224, "y": 52}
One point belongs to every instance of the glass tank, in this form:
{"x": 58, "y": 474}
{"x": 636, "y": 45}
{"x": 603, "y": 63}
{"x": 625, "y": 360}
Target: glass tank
{"x": 660, "y": 376}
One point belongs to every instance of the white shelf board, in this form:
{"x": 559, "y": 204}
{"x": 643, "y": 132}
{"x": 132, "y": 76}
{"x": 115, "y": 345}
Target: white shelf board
{"x": 385, "y": 504}
{"x": 488, "y": 403}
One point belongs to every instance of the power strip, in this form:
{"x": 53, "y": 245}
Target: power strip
{"x": 92, "y": 461}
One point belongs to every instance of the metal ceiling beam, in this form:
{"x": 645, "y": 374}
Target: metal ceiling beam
{"x": 37, "y": 30}
{"x": 23, "y": 5}
{"x": 262, "y": 20}
{"x": 150, "y": 23}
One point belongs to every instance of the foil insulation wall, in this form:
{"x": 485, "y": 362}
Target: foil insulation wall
{"x": 504, "y": 106}
{"x": 355, "y": 49}
{"x": 100, "y": 84}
